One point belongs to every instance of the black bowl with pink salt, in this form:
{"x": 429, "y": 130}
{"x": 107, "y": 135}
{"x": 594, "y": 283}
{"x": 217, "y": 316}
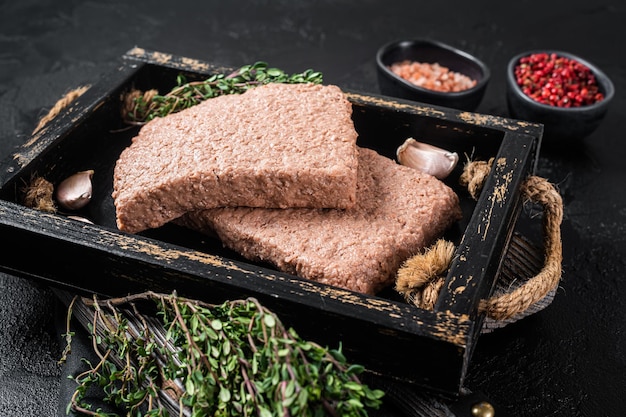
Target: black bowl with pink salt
{"x": 566, "y": 93}
{"x": 431, "y": 72}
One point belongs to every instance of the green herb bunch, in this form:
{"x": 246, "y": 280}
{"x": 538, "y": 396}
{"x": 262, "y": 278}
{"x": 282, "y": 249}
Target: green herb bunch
{"x": 140, "y": 108}
{"x": 196, "y": 359}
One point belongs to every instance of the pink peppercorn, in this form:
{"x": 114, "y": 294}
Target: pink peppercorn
{"x": 557, "y": 81}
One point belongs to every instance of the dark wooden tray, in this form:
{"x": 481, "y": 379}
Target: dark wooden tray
{"x": 431, "y": 349}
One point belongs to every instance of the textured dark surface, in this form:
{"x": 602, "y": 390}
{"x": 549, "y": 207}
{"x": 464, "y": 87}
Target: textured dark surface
{"x": 568, "y": 360}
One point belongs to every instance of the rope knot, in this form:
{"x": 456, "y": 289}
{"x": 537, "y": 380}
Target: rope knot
{"x": 423, "y": 275}
{"x": 474, "y": 175}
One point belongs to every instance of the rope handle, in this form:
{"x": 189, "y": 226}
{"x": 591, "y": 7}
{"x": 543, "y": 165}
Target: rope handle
{"x": 61, "y": 104}
{"x": 422, "y": 276}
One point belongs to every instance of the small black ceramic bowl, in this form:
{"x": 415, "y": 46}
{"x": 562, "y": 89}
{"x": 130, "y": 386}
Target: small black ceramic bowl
{"x": 431, "y": 52}
{"x": 559, "y": 122}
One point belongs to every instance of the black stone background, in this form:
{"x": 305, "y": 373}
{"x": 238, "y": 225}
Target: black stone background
{"x": 567, "y": 360}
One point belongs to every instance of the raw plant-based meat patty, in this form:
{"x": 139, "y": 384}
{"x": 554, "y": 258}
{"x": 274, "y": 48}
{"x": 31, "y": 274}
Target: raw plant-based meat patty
{"x": 398, "y": 212}
{"x": 277, "y": 145}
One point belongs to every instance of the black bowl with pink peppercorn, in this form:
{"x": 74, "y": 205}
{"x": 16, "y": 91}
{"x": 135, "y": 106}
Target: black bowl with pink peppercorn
{"x": 567, "y": 94}
{"x": 431, "y": 72}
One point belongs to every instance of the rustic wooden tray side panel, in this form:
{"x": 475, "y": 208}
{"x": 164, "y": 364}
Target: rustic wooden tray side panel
{"x": 383, "y": 333}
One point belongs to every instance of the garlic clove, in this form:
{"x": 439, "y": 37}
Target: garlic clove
{"x": 427, "y": 158}
{"x": 74, "y": 192}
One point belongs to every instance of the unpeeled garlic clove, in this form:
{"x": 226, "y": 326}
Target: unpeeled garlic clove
{"x": 74, "y": 192}
{"x": 427, "y": 158}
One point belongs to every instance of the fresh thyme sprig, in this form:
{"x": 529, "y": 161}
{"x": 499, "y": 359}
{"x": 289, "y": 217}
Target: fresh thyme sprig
{"x": 189, "y": 358}
{"x": 141, "y": 107}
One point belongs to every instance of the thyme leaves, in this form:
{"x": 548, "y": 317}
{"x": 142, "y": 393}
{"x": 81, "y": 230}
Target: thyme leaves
{"x": 141, "y": 107}
{"x": 184, "y": 357}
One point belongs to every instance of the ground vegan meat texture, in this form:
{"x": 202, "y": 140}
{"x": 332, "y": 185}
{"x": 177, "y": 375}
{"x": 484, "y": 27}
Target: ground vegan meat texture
{"x": 398, "y": 212}
{"x": 277, "y": 145}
